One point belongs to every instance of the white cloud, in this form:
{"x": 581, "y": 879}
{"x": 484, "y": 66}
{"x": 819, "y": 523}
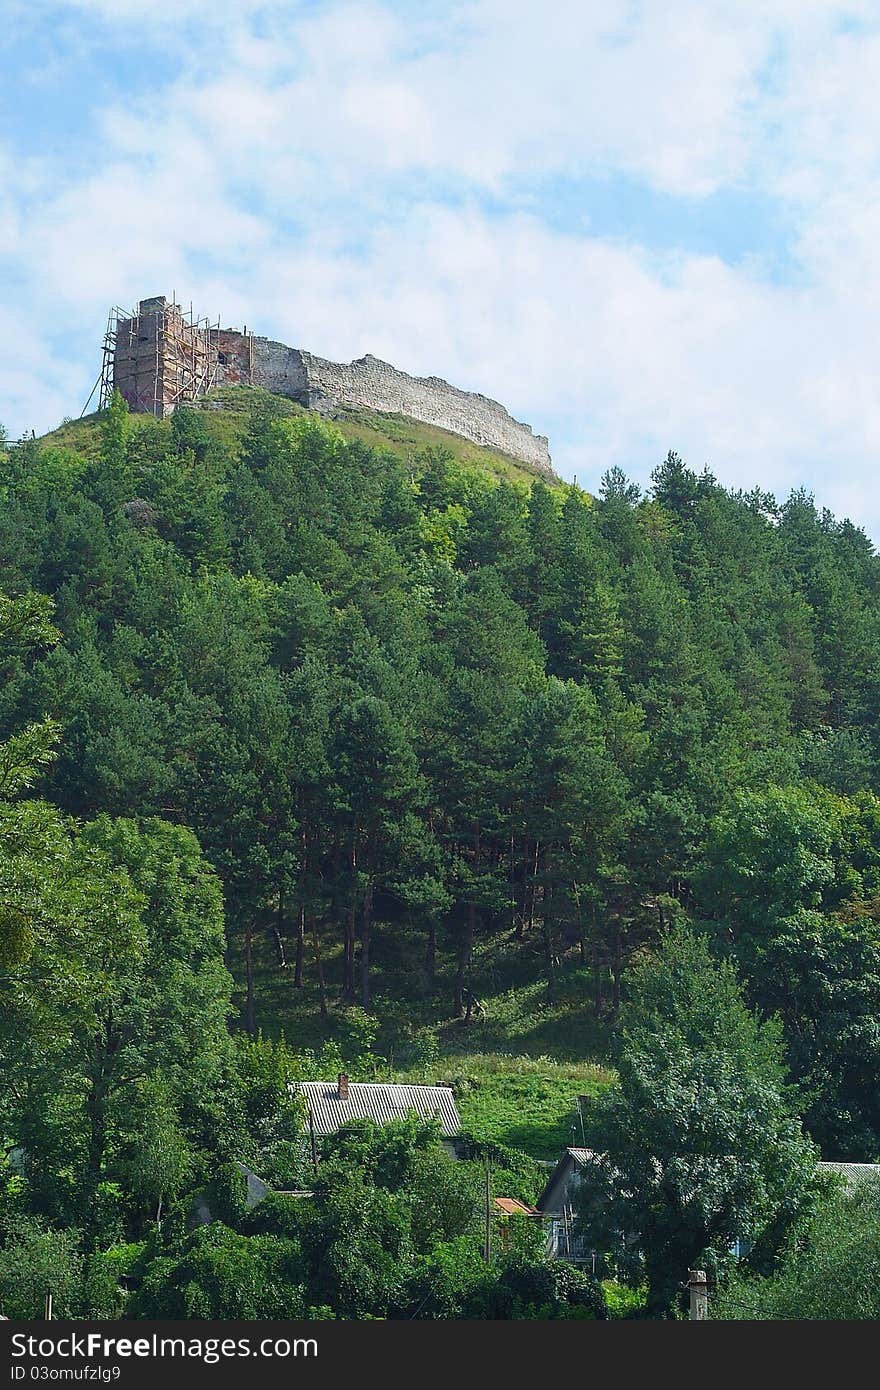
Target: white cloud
{"x": 296, "y": 183}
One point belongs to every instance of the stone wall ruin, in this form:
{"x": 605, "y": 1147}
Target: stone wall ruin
{"x": 161, "y": 357}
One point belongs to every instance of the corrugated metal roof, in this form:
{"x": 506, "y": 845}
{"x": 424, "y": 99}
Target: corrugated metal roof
{"x": 581, "y": 1155}
{"x": 378, "y": 1101}
{"x": 853, "y": 1173}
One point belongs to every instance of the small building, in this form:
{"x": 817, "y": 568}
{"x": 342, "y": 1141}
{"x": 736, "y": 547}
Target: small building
{"x": 256, "y": 1189}
{"x": 332, "y": 1104}
{"x": 559, "y": 1203}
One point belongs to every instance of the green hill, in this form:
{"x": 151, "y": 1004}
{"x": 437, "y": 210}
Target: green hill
{"x": 343, "y": 746}
{"x": 227, "y": 409}
{"x": 460, "y": 745}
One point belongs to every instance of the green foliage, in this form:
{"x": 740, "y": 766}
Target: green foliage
{"x": 455, "y": 749}
{"x": 833, "y": 1274}
{"x": 699, "y": 1145}
{"x": 621, "y": 1300}
{"x": 219, "y": 1273}
{"x": 113, "y": 1033}
{"x": 792, "y": 875}
{"x": 35, "y": 1261}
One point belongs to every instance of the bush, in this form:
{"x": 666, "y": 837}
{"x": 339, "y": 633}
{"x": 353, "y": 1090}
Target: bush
{"x": 217, "y": 1273}
{"x": 35, "y": 1261}
{"x": 622, "y": 1301}
{"x": 835, "y": 1274}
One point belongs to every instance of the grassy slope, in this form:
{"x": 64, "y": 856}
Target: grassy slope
{"x": 226, "y": 414}
{"x": 518, "y": 1069}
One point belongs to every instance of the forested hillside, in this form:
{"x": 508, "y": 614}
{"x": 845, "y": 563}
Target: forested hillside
{"x": 386, "y": 730}
{"x": 410, "y": 711}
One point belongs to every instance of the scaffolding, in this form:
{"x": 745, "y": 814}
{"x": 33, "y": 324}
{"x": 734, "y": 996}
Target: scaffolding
{"x": 158, "y": 356}
{"x": 192, "y": 347}
{"x": 115, "y": 317}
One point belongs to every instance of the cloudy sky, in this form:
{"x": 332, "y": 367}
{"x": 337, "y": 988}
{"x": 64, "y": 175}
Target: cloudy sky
{"x": 641, "y": 224}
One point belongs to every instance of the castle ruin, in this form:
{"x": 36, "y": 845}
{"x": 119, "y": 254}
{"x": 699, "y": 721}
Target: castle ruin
{"x": 158, "y": 357}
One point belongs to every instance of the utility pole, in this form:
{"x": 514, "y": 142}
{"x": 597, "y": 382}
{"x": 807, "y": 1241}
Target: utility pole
{"x": 699, "y": 1295}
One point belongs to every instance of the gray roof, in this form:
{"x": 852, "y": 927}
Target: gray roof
{"x": 852, "y": 1173}
{"x": 581, "y": 1156}
{"x": 570, "y": 1158}
{"x": 378, "y": 1101}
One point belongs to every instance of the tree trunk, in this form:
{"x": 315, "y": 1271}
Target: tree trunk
{"x": 319, "y": 966}
{"x": 664, "y": 1287}
{"x": 249, "y": 971}
{"x": 277, "y": 933}
{"x": 300, "y": 947}
{"x": 618, "y": 963}
{"x": 97, "y": 1138}
{"x": 582, "y": 932}
{"x": 301, "y": 925}
{"x": 465, "y": 952}
{"x": 548, "y": 941}
{"x": 431, "y": 954}
{"x": 467, "y": 937}
{"x": 96, "y": 1110}
{"x": 348, "y": 990}
{"x": 533, "y": 887}
{"x": 366, "y": 930}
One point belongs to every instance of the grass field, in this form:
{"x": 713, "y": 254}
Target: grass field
{"x": 528, "y": 1103}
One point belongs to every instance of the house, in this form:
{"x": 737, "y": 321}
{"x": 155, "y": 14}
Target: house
{"x": 256, "y": 1189}
{"x": 332, "y": 1104}
{"x": 558, "y": 1204}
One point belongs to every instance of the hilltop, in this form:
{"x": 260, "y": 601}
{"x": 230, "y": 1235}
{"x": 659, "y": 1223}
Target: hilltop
{"x": 158, "y": 357}
{"x": 226, "y": 411}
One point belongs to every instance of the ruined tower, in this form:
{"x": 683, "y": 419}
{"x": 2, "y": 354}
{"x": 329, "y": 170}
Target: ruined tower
{"x": 161, "y": 356}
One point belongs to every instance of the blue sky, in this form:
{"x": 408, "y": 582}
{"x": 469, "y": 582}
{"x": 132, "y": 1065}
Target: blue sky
{"x": 641, "y": 224}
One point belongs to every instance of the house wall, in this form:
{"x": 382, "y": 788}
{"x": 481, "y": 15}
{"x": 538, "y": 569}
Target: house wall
{"x": 563, "y": 1191}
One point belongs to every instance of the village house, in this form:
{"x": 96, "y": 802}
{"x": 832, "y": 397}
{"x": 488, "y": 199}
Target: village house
{"x": 558, "y": 1204}
{"x": 560, "y": 1201}
{"x": 332, "y": 1104}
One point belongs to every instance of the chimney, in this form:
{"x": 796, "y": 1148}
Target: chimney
{"x": 343, "y": 1086}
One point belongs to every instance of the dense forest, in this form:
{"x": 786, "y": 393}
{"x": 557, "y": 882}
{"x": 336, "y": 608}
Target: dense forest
{"x": 287, "y": 716}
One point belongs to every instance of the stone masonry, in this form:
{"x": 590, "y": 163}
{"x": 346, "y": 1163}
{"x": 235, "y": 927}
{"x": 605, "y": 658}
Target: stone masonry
{"x": 161, "y": 358}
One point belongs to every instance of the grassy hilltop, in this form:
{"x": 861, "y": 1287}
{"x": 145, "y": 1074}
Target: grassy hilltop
{"x": 227, "y": 410}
